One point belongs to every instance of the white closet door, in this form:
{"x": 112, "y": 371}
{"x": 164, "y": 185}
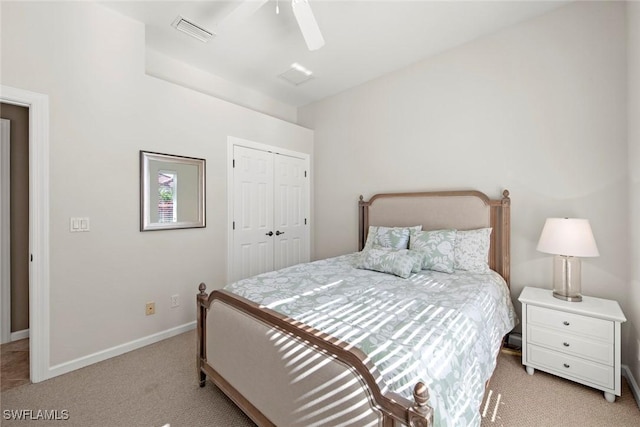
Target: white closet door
{"x": 290, "y": 201}
{"x": 253, "y": 212}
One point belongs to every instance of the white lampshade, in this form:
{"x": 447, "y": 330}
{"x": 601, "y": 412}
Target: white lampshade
{"x": 569, "y": 237}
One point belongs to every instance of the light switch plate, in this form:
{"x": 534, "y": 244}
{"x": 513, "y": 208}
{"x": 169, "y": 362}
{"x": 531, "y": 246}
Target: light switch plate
{"x": 77, "y": 224}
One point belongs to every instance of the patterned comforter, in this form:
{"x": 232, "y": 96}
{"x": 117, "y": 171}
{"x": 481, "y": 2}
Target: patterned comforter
{"x": 442, "y": 329}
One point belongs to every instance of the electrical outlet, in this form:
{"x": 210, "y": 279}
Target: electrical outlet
{"x": 175, "y": 300}
{"x": 151, "y": 308}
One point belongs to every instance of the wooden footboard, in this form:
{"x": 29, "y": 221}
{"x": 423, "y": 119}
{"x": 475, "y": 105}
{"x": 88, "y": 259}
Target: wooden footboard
{"x": 394, "y": 408}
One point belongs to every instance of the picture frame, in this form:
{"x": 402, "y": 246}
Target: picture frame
{"x": 172, "y": 192}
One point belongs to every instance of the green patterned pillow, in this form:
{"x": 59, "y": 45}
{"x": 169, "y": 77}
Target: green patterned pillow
{"x": 437, "y": 249}
{"x": 386, "y": 260}
{"x": 416, "y": 257}
{"x": 389, "y": 237}
{"x": 472, "y": 250}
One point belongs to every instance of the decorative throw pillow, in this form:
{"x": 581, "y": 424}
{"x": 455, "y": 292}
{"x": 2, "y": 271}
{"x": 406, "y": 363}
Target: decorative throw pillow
{"x": 417, "y": 259}
{"x": 472, "y": 250}
{"x": 389, "y": 237}
{"x": 436, "y": 247}
{"x": 386, "y": 260}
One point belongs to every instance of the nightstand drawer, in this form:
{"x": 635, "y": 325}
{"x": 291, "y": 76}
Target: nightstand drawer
{"x": 597, "y": 351}
{"x": 569, "y": 366}
{"x": 571, "y": 323}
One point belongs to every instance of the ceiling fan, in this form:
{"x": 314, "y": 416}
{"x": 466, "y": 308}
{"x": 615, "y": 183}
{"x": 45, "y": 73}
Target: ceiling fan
{"x": 301, "y": 10}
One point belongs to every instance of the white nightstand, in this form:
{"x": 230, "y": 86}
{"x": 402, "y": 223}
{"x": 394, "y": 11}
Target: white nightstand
{"x": 579, "y": 341}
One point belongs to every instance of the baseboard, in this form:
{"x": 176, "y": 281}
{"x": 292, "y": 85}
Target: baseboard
{"x": 19, "y": 335}
{"x": 635, "y": 390}
{"x": 81, "y": 362}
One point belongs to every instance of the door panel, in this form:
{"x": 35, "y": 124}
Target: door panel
{"x": 253, "y": 212}
{"x": 5, "y": 230}
{"x": 290, "y": 213}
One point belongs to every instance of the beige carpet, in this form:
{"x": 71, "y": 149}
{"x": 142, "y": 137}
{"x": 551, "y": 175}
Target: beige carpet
{"x": 543, "y": 400}
{"x": 148, "y": 387}
{"x": 157, "y": 385}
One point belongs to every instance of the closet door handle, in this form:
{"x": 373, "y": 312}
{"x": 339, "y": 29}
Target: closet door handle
{"x": 269, "y": 233}
{"x": 279, "y": 232}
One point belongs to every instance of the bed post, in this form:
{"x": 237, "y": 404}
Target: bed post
{"x": 201, "y": 309}
{"x": 420, "y": 413}
{"x": 506, "y": 237}
{"x": 500, "y": 252}
{"x": 363, "y": 222}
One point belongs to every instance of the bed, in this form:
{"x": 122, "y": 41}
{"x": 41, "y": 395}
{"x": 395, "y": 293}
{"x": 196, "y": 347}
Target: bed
{"x": 334, "y": 342}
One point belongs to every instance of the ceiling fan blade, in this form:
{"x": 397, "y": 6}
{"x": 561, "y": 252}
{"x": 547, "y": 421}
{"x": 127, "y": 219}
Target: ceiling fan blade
{"x": 307, "y": 23}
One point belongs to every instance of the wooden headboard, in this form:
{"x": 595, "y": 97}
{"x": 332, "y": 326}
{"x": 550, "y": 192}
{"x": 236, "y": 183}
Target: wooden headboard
{"x": 462, "y": 210}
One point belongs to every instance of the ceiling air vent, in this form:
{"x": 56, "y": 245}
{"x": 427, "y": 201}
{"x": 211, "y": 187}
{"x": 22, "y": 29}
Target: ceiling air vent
{"x": 192, "y": 29}
{"x": 297, "y": 74}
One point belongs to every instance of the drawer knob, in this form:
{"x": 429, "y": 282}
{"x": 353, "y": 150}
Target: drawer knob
{"x": 566, "y": 365}
{"x": 566, "y": 344}
{"x": 565, "y": 323}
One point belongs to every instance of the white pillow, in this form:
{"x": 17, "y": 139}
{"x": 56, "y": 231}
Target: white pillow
{"x": 472, "y": 250}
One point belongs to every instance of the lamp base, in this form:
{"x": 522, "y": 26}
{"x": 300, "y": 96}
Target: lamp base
{"x": 566, "y": 278}
{"x": 570, "y": 298}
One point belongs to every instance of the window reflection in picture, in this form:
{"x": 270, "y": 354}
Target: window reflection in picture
{"x": 168, "y": 197}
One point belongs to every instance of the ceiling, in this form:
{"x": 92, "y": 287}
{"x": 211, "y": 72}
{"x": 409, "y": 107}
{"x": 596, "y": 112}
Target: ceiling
{"x": 364, "y": 39}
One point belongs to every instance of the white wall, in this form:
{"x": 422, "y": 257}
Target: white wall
{"x": 169, "y": 69}
{"x": 633, "y": 311}
{"x": 539, "y": 108}
{"x": 104, "y": 109}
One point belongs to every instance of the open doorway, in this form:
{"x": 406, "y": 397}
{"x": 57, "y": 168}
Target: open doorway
{"x": 38, "y": 220}
{"x": 14, "y": 219}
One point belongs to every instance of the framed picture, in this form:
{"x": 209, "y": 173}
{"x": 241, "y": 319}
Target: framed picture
{"x": 172, "y": 192}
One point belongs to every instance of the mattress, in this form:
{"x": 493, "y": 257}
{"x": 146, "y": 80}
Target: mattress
{"x": 442, "y": 329}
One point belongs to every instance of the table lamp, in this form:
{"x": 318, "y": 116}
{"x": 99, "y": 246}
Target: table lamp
{"x": 568, "y": 239}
